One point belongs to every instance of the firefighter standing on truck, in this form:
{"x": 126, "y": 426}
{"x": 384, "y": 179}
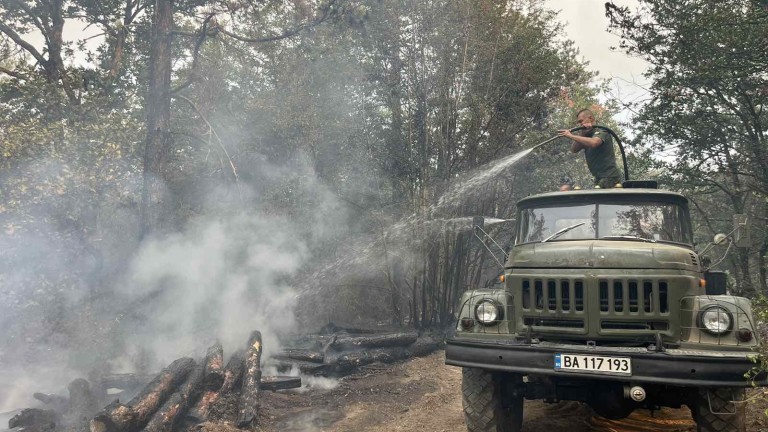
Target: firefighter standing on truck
{"x": 598, "y": 150}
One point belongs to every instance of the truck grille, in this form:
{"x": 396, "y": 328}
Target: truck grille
{"x": 558, "y": 296}
{"x": 622, "y": 296}
{"x": 634, "y": 305}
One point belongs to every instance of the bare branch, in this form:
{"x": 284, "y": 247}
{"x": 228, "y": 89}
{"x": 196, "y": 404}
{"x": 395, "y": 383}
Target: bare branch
{"x": 44, "y": 29}
{"x": 139, "y": 7}
{"x": 213, "y": 132}
{"x": 324, "y": 14}
{"x": 284, "y": 35}
{"x": 195, "y": 54}
{"x": 22, "y": 43}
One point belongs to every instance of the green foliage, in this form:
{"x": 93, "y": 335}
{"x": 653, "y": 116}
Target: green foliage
{"x": 708, "y": 61}
{"x": 760, "y": 314}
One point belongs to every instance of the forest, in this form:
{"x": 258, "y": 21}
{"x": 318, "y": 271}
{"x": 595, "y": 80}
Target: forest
{"x": 176, "y": 171}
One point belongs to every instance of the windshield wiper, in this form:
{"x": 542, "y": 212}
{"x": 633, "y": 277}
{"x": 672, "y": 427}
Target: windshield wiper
{"x": 562, "y": 231}
{"x": 627, "y": 237}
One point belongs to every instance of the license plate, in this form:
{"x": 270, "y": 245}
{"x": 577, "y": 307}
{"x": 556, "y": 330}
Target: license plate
{"x": 593, "y": 364}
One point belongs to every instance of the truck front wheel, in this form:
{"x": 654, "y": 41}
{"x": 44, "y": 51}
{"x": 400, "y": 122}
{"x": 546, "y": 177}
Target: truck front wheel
{"x": 719, "y": 410}
{"x": 492, "y": 402}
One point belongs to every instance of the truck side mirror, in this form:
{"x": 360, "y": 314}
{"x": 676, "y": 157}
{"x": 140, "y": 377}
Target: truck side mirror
{"x": 741, "y": 232}
{"x": 716, "y": 282}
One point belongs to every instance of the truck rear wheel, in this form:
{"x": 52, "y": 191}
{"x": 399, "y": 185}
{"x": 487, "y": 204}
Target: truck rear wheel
{"x": 720, "y": 410}
{"x": 491, "y": 403}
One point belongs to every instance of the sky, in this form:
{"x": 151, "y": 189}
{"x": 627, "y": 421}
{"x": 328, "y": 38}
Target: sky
{"x": 586, "y": 24}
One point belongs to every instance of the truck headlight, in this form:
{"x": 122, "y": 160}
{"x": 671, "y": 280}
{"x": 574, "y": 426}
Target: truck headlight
{"x": 489, "y": 312}
{"x": 716, "y": 320}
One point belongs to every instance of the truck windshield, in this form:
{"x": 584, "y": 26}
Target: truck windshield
{"x": 642, "y": 222}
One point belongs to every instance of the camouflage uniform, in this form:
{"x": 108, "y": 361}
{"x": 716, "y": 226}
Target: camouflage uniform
{"x": 601, "y": 160}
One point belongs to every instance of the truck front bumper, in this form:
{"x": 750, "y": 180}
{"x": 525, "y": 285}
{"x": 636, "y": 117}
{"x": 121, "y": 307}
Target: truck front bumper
{"x": 677, "y": 367}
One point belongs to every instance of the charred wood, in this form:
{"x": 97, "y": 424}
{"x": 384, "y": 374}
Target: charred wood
{"x": 171, "y": 413}
{"x": 374, "y": 341}
{"x": 307, "y": 368}
{"x": 99, "y": 391}
{"x": 325, "y": 343}
{"x": 424, "y": 345}
{"x": 300, "y": 354}
{"x": 233, "y": 374}
{"x": 249, "y": 393}
{"x": 279, "y": 382}
{"x": 347, "y": 361}
{"x": 214, "y": 367}
{"x": 82, "y": 405}
{"x": 157, "y": 391}
{"x": 35, "y": 420}
{"x": 117, "y": 417}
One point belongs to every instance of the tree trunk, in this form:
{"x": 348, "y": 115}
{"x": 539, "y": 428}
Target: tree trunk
{"x": 158, "y": 114}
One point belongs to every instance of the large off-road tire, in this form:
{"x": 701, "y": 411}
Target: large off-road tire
{"x": 719, "y": 410}
{"x": 490, "y": 403}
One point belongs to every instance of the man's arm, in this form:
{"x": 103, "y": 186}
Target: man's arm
{"x": 580, "y": 142}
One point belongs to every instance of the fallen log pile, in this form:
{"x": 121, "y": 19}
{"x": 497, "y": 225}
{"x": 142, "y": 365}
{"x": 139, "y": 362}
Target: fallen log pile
{"x": 186, "y": 394}
{"x": 341, "y": 353}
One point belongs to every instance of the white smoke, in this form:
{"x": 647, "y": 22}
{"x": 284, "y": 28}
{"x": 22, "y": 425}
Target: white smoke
{"x": 230, "y": 270}
{"x": 221, "y": 278}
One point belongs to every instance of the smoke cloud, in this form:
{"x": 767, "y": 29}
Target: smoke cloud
{"x": 219, "y": 279}
{"x": 72, "y": 305}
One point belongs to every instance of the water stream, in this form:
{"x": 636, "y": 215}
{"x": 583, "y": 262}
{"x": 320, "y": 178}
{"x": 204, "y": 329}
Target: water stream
{"x": 479, "y": 177}
{"x": 415, "y": 228}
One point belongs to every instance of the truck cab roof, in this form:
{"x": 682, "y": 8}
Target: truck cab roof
{"x": 602, "y": 195}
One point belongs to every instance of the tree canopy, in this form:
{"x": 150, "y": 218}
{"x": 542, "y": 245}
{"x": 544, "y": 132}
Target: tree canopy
{"x": 707, "y": 109}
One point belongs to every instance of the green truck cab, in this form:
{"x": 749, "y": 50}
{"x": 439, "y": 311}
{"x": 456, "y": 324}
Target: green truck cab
{"x": 605, "y": 301}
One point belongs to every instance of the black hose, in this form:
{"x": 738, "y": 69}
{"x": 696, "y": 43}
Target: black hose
{"x": 618, "y": 141}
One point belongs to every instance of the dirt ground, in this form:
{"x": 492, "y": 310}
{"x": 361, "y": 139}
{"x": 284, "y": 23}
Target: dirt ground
{"x": 423, "y": 394}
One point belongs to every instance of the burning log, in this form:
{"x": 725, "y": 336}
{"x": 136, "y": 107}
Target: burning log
{"x": 35, "y": 420}
{"x": 214, "y": 367}
{"x": 170, "y": 413}
{"x": 249, "y": 393}
{"x": 300, "y": 354}
{"x": 117, "y": 417}
{"x": 374, "y": 341}
{"x": 233, "y": 374}
{"x": 82, "y": 405}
